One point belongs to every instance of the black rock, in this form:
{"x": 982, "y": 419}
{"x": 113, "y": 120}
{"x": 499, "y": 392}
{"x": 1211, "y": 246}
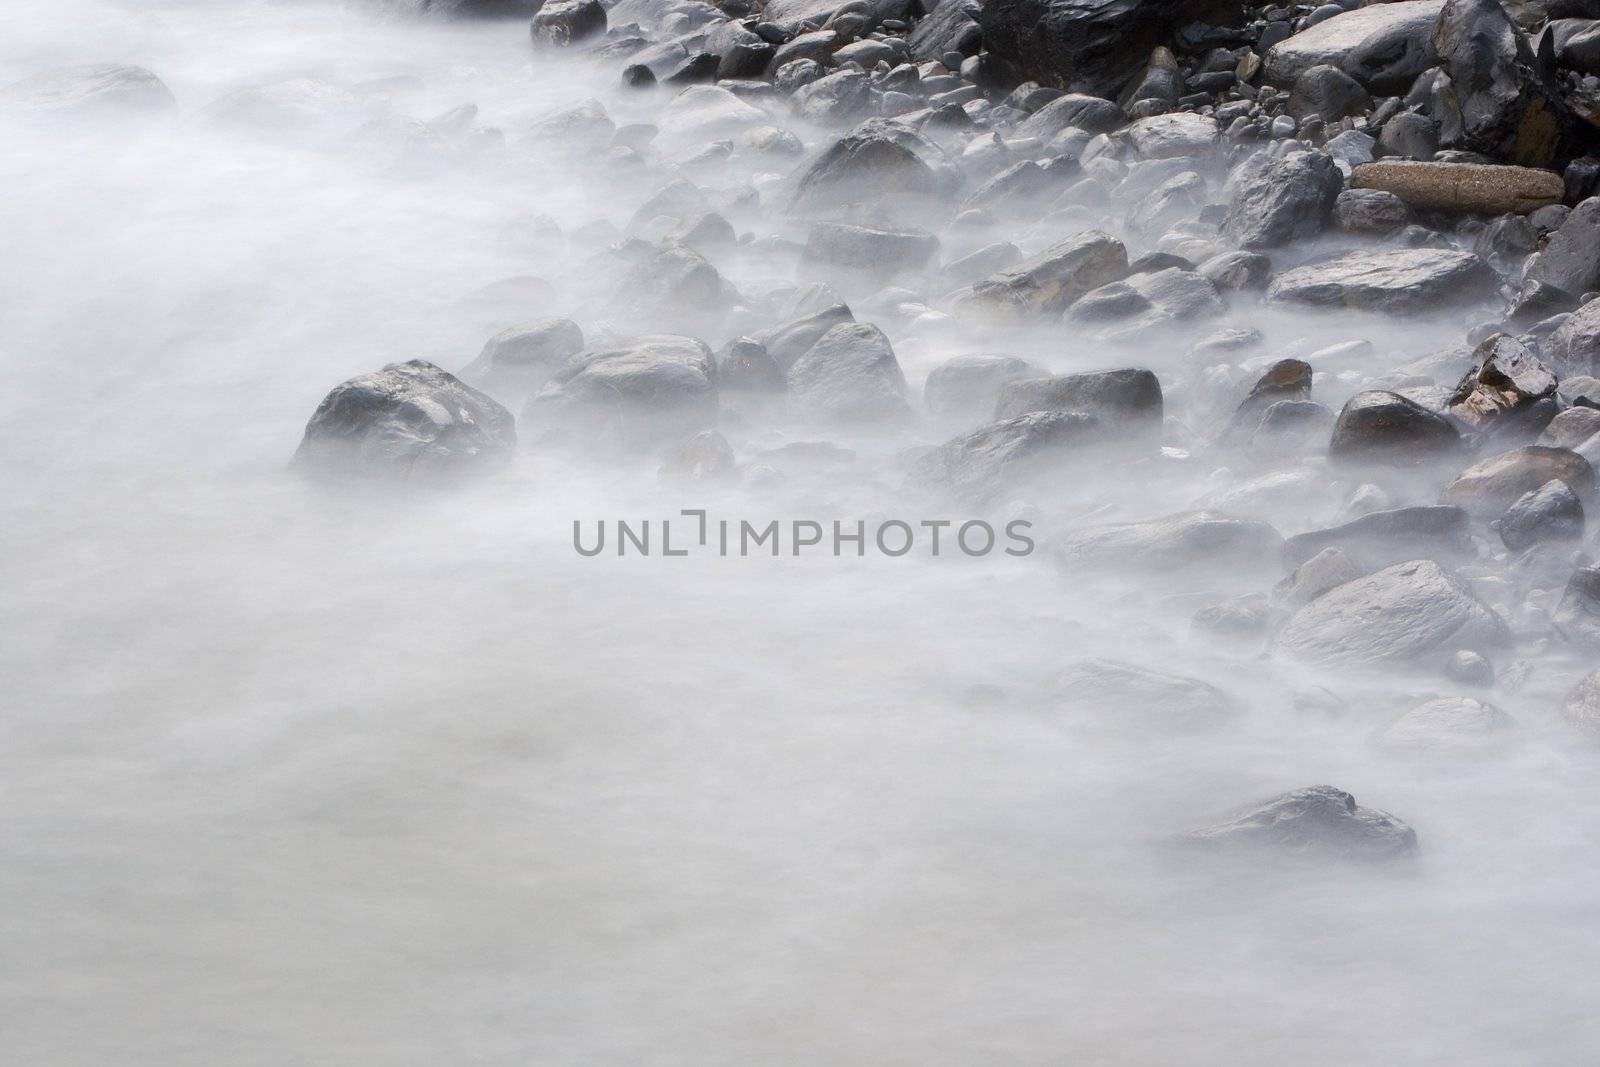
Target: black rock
{"x": 1388, "y": 429}
{"x": 1510, "y": 107}
{"x": 563, "y": 23}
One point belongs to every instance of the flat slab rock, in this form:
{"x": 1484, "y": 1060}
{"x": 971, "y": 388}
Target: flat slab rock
{"x": 1319, "y": 822}
{"x": 1398, "y": 281}
{"x": 1475, "y": 188}
{"x": 1382, "y": 46}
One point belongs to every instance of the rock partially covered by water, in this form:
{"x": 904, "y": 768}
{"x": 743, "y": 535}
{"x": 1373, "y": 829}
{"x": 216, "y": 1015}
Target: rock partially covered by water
{"x": 879, "y": 160}
{"x": 1049, "y": 282}
{"x": 635, "y": 394}
{"x": 1287, "y": 200}
{"x": 1109, "y": 694}
{"x": 850, "y": 375}
{"x": 1551, "y": 512}
{"x": 1490, "y": 487}
{"x": 1188, "y": 539}
{"x": 1383, "y": 46}
{"x": 1577, "y": 616}
{"x": 103, "y": 89}
{"x": 1317, "y": 823}
{"x": 563, "y": 23}
{"x": 968, "y": 386}
{"x": 1413, "y": 612}
{"x": 1449, "y": 726}
{"x": 1004, "y": 456}
{"x": 1382, "y": 538}
{"x": 1388, "y": 429}
{"x": 1398, "y": 281}
{"x": 1127, "y": 401}
{"x": 408, "y": 419}
{"x": 526, "y": 356}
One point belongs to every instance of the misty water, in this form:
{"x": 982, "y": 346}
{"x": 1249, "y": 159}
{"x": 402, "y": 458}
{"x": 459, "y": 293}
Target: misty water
{"x": 313, "y": 777}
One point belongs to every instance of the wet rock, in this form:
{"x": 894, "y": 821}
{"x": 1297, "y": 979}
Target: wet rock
{"x": 1006, "y": 455}
{"x": 850, "y": 375}
{"x": 790, "y": 14}
{"x": 1398, "y": 281}
{"x": 1571, "y": 428}
{"x": 1244, "y": 617}
{"x": 705, "y": 457}
{"x": 1574, "y": 349}
{"x": 638, "y": 393}
{"x": 1197, "y": 539}
{"x": 524, "y": 357}
{"x": 1510, "y": 108}
{"x": 1581, "y": 707}
{"x": 410, "y": 419}
{"x": 1327, "y": 93}
{"x": 790, "y": 340}
{"x": 1107, "y": 693}
{"x": 1450, "y": 726}
{"x": 1287, "y": 379}
{"x": 1370, "y": 211}
{"x": 1319, "y": 823}
{"x": 1180, "y": 134}
{"x": 1383, "y": 538}
{"x": 674, "y": 282}
{"x": 1577, "y": 615}
{"x": 1412, "y": 612}
{"x": 563, "y": 23}
{"x": 1049, "y": 282}
{"x": 833, "y": 97}
{"x": 1387, "y": 429}
{"x": 1324, "y": 571}
{"x": 975, "y": 266}
{"x": 969, "y": 386}
{"x": 1383, "y": 47}
{"x": 1505, "y": 383}
{"x": 1571, "y": 260}
{"x": 1473, "y": 188}
{"x": 1128, "y": 402}
{"x": 101, "y": 89}
{"x": 1237, "y": 270}
{"x": 869, "y": 250}
{"x": 1288, "y": 200}
{"x": 1073, "y": 111}
{"x": 707, "y": 112}
{"x": 877, "y": 160}
{"x": 1552, "y": 512}
{"x": 952, "y": 26}
{"x": 1488, "y": 488}
{"x": 745, "y": 365}
{"x": 1469, "y": 668}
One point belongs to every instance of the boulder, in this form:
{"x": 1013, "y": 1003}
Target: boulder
{"x": 835, "y": 97}
{"x": 409, "y": 419}
{"x": 1571, "y": 259}
{"x": 873, "y": 251}
{"x": 1398, "y": 281}
{"x": 1581, "y": 706}
{"x": 1179, "y": 134}
{"x": 1415, "y": 612}
{"x": 1049, "y": 282}
{"x": 1505, "y": 382}
{"x": 1510, "y": 108}
{"x": 1191, "y": 539}
{"x": 524, "y": 357}
{"x": 1237, "y": 270}
{"x": 878, "y": 161}
{"x": 563, "y": 23}
{"x": 1127, "y": 402}
{"x": 788, "y": 341}
{"x": 1287, "y": 379}
{"x": 1551, "y": 512}
{"x": 1574, "y": 349}
{"x": 98, "y": 89}
{"x": 1103, "y": 693}
{"x": 1382, "y": 538}
{"x": 979, "y": 466}
{"x": 1325, "y": 92}
{"x": 1449, "y": 726}
{"x": 1370, "y": 211}
{"x": 1577, "y": 615}
{"x": 673, "y": 281}
{"x": 1288, "y": 200}
{"x": 1387, "y": 429}
{"x": 1324, "y": 571}
{"x": 1571, "y": 428}
{"x": 1470, "y": 188}
{"x": 1073, "y": 111}
{"x": 792, "y": 13}
{"x": 1488, "y": 488}
{"x": 967, "y": 387}
{"x": 706, "y": 112}
{"x": 1382, "y": 46}
{"x": 952, "y": 26}
{"x": 850, "y": 375}
{"x": 641, "y": 392}
{"x": 745, "y": 365}
{"x": 1319, "y": 823}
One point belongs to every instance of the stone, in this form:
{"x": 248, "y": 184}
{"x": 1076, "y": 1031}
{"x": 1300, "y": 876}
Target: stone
{"x": 1237, "y": 270}
{"x": 952, "y": 26}
{"x": 1127, "y": 402}
{"x": 1324, "y": 571}
{"x": 1488, "y": 488}
{"x": 745, "y": 365}
{"x": 1573, "y": 350}
{"x": 1005, "y": 456}
{"x": 1382, "y": 538}
{"x": 975, "y": 266}
{"x": 1383, "y": 46}
{"x": 833, "y": 97}
{"x": 1505, "y": 382}
{"x": 1449, "y": 726}
{"x": 1373, "y": 211}
{"x": 674, "y": 282}
{"x": 850, "y": 375}
{"x": 408, "y": 420}
{"x": 564, "y": 23}
{"x": 969, "y": 386}
{"x": 1470, "y": 668}
{"x": 1327, "y": 93}
{"x": 1577, "y": 615}
{"x": 869, "y": 250}
{"x": 1048, "y": 283}
{"x": 790, "y": 14}
{"x": 1319, "y": 824}
{"x": 789, "y": 341}
{"x": 1287, "y": 379}
{"x": 1191, "y": 539}
{"x": 1387, "y": 429}
{"x": 1397, "y": 281}
{"x": 524, "y": 357}
{"x": 705, "y": 457}
{"x": 1415, "y": 612}
{"x": 1552, "y": 512}
{"x": 1571, "y": 259}
{"x": 879, "y": 160}
{"x": 1409, "y": 136}
{"x": 1581, "y": 706}
{"x": 1471, "y": 188}
{"x": 1509, "y": 107}
{"x": 1072, "y": 111}
{"x": 1571, "y": 428}
{"x": 636, "y": 393}
{"x": 102, "y": 90}
{"x": 1020, "y": 189}
{"x": 1288, "y": 200}
{"x": 707, "y": 112}
{"x": 1103, "y": 693}
{"x": 1179, "y": 134}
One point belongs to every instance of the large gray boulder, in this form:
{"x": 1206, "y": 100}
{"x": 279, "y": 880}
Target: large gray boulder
{"x": 1127, "y": 401}
{"x": 409, "y": 419}
{"x": 1004, "y": 456}
{"x": 850, "y": 375}
{"x": 1192, "y": 539}
{"x": 1319, "y": 823}
{"x": 1103, "y": 693}
{"x": 1382, "y": 46}
{"x": 1497, "y": 100}
{"x": 1288, "y": 200}
{"x": 1049, "y": 282}
{"x": 639, "y": 393}
{"x": 1397, "y": 281}
{"x": 1415, "y": 612}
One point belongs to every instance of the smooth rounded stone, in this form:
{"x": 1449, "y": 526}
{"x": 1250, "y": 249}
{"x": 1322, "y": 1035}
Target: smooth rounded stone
{"x": 1577, "y": 615}
{"x": 1386, "y": 429}
{"x": 1319, "y": 824}
{"x": 1470, "y": 668}
{"x": 1449, "y": 726}
{"x": 1324, "y": 571}
{"x": 1049, "y": 282}
{"x": 1385, "y": 537}
{"x": 1178, "y": 134}
{"x": 1328, "y": 93}
{"x": 1350, "y": 149}
{"x": 1552, "y": 512}
{"x": 833, "y": 97}
{"x": 638, "y": 393}
{"x": 1287, "y": 200}
{"x": 869, "y": 249}
{"x": 704, "y": 232}
{"x": 969, "y": 386}
{"x": 1175, "y": 296}
{"x": 526, "y": 356}
{"x": 1370, "y": 211}
{"x": 678, "y": 200}
{"x": 1571, "y": 428}
{"x": 1127, "y": 401}
{"x": 1505, "y": 104}
{"x": 1573, "y": 350}
{"x": 585, "y": 126}
{"x": 1005, "y": 456}
{"x": 1488, "y": 488}
{"x": 638, "y": 76}
{"x": 1506, "y": 381}
{"x": 1108, "y": 303}
{"x": 1415, "y": 612}
{"x": 975, "y": 266}
{"x": 1073, "y": 111}
{"x": 1227, "y": 339}
{"x": 1396, "y": 281}
{"x": 708, "y": 112}
{"x": 674, "y": 282}
{"x": 97, "y": 89}
{"x": 1472, "y": 188}
{"x": 745, "y": 365}
{"x": 1191, "y": 539}
{"x": 701, "y": 67}
{"x": 789, "y": 77}
{"x": 865, "y": 52}
{"x": 705, "y": 457}
{"x": 1383, "y": 47}
{"x": 1410, "y": 136}
{"x": 1581, "y": 706}
{"x": 879, "y": 160}
{"x": 1237, "y": 271}
{"x": 951, "y": 26}
{"x": 850, "y": 375}
{"x": 1103, "y": 693}
{"x": 409, "y": 419}
{"x": 1571, "y": 259}
{"x": 563, "y": 23}
{"x": 1287, "y": 379}
{"x": 790, "y": 340}
{"x": 1238, "y": 618}
{"x": 1021, "y": 188}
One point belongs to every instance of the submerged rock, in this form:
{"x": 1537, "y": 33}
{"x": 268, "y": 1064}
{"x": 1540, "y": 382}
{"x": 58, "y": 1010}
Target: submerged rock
{"x": 1049, "y": 282}
{"x": 850, "y": 374}
{"x": 1127, "y": 401}
{"x": 1388, "y": 429}
{"x": 968, "y": 386}
{"x": 1188, "y": 539}
{"x": 1381, "y": 538}
{"x": 639, "y": 393}
{"x": 104, "y": 89}
{"x": 878, "y": 160}
{"x": 1319, "y": 823}
{"x": 526, "y": 356}
{"x": 1449, "y": 726}
{"x": 1106, "y": 693}
{"x": 1005, "y": 455}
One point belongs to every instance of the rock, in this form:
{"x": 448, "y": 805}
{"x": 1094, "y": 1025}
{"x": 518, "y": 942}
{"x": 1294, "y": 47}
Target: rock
{"x": 1180, "y": 134}
{"x": 524, "y": 357}
{"x": 877, "y": 161}
{"x": 1021, "y": 189}
{"x": 638, "y": 393}
{"x": 1383, "y": 538}
{"x": 1327, "y": 93}
{"x": 1073, "y": 111}
{"x": 850, "y": 375}
{"x": 1324, "y": 571}
{"x": 1288, "y": 200}
{"x": 952, "y": 26}
{"x": 1574, "y": 349}
{"x": 789, "y": 341}
{"x": 1127, "y": 402}
{"x": 1108, "y": 693}
{"x": 1319, "y": 823}
{"x": 1450, "y": 726}
{"x": 792, "y": 13}
{"x": 975, "y": 266}
{"x": 1005, "y": 456}
{"x": 1237, "y": 270}
{"x": 1571, "y": 428}
{"x": 1244, "y": 617}
{"x": 410, "y": 419}
{"x": 1191, "y": 539}
{"x": 1571, "y": 260}
{"x": 745, "y": 365}
{"x": 1350, "y": 149}
{"x": 868, "y": 250}
{"x": 1552, "y": 512}
{"x": 674, "y": 282}
{"x": 1287, "y": 379}
{"x": 1473, "y": 188}
{"x": 1049, "y": 282}
{"x": 1387, "y": 429}
{"x": 1370, "y": 211}
{"x": 1509, "y": 107}
{"x": 705, "y": 457}
{"x": 1577, "y": 616}
{"x": 1383, "y": 47}
{"x": 969, "y": 386}
{"x": 833, "y": 97}
{"x": 1469, "y": 668}
{"x": 1488, "y": 488}
{"x": 1412, "y": 612}
{"x": 1398, "y": 281}
{"x": 1505, "y": 382}
{"x": 707, "y": 112}
{"x": 1581, "y": 707}
{"x": 98, "y": 89}
{"x": 563, "y": 23}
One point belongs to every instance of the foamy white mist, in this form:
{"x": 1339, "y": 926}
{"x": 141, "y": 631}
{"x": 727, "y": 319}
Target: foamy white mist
{"x": 294, "y": 778}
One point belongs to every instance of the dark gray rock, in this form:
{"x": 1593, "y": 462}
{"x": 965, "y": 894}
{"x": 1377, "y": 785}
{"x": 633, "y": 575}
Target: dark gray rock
{"x": 1327, "y": 93}
{"x": 745, "y": 365}
{"x": 850, "y": 375}
{"x": 563, "y": 23}
{"x": 876, "y": 162}
{"x": 1370, "y": 211}
{"x": 1382, "y": 46}
{"x": 1574, "y": 349}
{"x": 1005, "y": 456}
{"x": 1571, "y": 259}
{"x": 1319, "y": 824}
{"x": 1073, "y": 111}
{"x": 1398, "y": 281}
{"x": 969, "y": 386}
{"x": 674, "y": 282}
{"x": 834, "y": 97}
{"x": 1510, "y": 108}
{"x": 952, "y": 26}
{"x": 1552, "y": 512}
{"x": 1288, "y": 200}
{"x": 1409, "y": 135}
{"x": 1577, "y": 616}
{"x": 1382, "y": 538}
{"x": 1387, "y": 429}
{"x": 1049, "y": 282}
{"x": 1237, "y": 270}
{"x": 1128, "y": 402}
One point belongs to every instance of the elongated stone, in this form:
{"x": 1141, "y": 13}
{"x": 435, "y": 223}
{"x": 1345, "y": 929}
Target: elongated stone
{"x": 1475, "y": 188}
